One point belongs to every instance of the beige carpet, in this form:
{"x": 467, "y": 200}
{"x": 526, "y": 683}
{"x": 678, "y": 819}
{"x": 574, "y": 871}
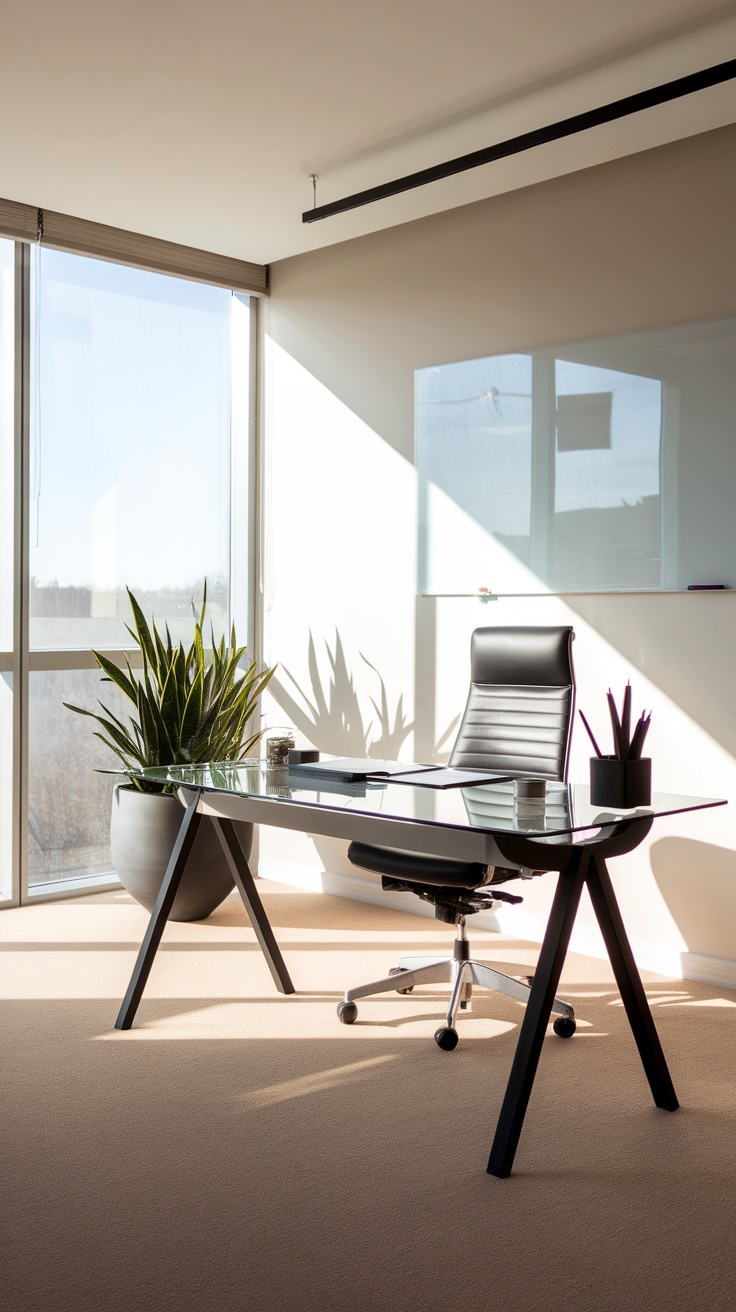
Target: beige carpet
{"x": 239, "y": 1150}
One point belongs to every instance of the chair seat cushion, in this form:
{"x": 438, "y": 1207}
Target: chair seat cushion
{"x": 420, "y": 869}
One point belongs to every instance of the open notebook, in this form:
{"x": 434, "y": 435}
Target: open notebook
{"x": 349, "y": 769}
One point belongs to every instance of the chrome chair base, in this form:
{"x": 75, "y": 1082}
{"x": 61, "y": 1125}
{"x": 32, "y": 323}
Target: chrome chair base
{"x": 462, "y": 973}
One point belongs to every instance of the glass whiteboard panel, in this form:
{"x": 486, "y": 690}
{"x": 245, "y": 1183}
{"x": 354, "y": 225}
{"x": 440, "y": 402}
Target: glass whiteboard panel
{"x": 607, "y": 465}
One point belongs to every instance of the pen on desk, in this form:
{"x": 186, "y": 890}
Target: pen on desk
{"x": 707, "y": 587}
{"x": 598, "y": 751}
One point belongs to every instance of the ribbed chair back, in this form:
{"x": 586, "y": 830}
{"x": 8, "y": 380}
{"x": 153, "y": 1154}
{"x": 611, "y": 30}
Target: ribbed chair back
{"x": 518, "y": 717}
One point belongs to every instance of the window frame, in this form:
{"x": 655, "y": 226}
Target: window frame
{"x": 244, "y": 555}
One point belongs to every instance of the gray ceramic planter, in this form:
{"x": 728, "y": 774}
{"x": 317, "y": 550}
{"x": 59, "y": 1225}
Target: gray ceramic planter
{"x": 143, "y": 829}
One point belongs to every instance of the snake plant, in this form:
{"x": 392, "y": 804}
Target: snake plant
{"x": 188, "y": 708}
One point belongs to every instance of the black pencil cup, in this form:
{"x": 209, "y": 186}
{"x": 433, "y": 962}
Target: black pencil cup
{"x": 621, "y": 784}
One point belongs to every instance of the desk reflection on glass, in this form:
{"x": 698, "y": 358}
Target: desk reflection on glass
{"x": 498, "y": 806}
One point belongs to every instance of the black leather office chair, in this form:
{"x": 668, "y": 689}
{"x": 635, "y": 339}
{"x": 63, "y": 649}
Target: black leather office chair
{"x": 517, "y": 721}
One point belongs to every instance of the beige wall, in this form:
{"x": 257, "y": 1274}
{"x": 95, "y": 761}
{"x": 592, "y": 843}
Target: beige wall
{"x": 639, "y": 243}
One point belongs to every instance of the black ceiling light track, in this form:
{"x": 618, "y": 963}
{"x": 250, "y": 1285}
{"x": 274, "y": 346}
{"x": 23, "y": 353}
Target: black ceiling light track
{"x": 567, "y": 127}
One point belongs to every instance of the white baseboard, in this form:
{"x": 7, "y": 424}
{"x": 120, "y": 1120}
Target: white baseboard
{"x": 669, "y": 961}
{"x": 586, "y": 939}
{"x": 720, "y": 972}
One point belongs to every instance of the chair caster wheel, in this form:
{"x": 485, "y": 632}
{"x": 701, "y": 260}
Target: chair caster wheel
{"x": 347, "y": 1012}
{"x": 398, "y": 970}
{"x": 565, "y": 1027}
{"x": 446, "y": 1038}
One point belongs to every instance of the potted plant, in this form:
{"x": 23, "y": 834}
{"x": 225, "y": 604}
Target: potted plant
{"x": 188, "y": 708}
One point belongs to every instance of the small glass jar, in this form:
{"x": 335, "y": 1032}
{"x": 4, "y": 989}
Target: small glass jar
{"x": 529, "y": 802}
{"x": 530, "y": 789}
{"x": 278, "y": 747}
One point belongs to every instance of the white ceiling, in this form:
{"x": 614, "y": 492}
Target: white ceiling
{"x": 201, "y": 123}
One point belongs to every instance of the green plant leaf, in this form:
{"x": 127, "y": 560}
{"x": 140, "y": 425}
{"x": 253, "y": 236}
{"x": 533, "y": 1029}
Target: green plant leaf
{"x": 187, "y": 707}
{"x": 142, "y": 633}
{"x": 117, "y": 676}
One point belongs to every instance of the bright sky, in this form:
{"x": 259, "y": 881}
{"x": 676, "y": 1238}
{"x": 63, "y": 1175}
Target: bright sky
{"x": 131, "y": 426}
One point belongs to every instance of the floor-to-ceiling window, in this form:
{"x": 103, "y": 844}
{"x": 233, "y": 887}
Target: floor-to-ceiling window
{"x": 134, "y": 450}
{"x": 8, "y": 836}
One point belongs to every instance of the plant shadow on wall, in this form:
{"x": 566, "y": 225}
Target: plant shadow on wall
{"x": 329, "y": 715}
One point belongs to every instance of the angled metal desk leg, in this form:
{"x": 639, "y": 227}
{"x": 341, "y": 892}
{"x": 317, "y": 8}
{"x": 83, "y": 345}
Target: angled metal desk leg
{"x": 630, "y": 986}
{"x": 588, "y": 866}
{"x": 160, "y": 914}
{"x": 227, "y": 834}
{"x": 537, "y": 1014}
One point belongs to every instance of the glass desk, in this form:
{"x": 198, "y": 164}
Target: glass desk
{"x": 565, "y": 809}
{"x": 560, "y": 833}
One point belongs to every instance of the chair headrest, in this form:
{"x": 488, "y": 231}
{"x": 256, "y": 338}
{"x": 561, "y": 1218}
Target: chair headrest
{"x": 520, "y": 654}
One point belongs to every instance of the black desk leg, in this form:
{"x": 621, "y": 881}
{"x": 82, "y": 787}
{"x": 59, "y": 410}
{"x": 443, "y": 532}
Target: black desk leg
{"x": 537, "y": 1014}
{"x": 227, "y": 834}
{"x": 160, "y": 914}
{"x": 630, "y": 985}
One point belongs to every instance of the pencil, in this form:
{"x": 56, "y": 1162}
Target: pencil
{"x": 640, "y": 733}
{"x": 590, "y": 734}
{"x": 616, "y": 725}
{"x": 626, "y": 720}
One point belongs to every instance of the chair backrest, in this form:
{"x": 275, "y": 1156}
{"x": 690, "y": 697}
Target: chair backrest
{"x": 518, "y": 717}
